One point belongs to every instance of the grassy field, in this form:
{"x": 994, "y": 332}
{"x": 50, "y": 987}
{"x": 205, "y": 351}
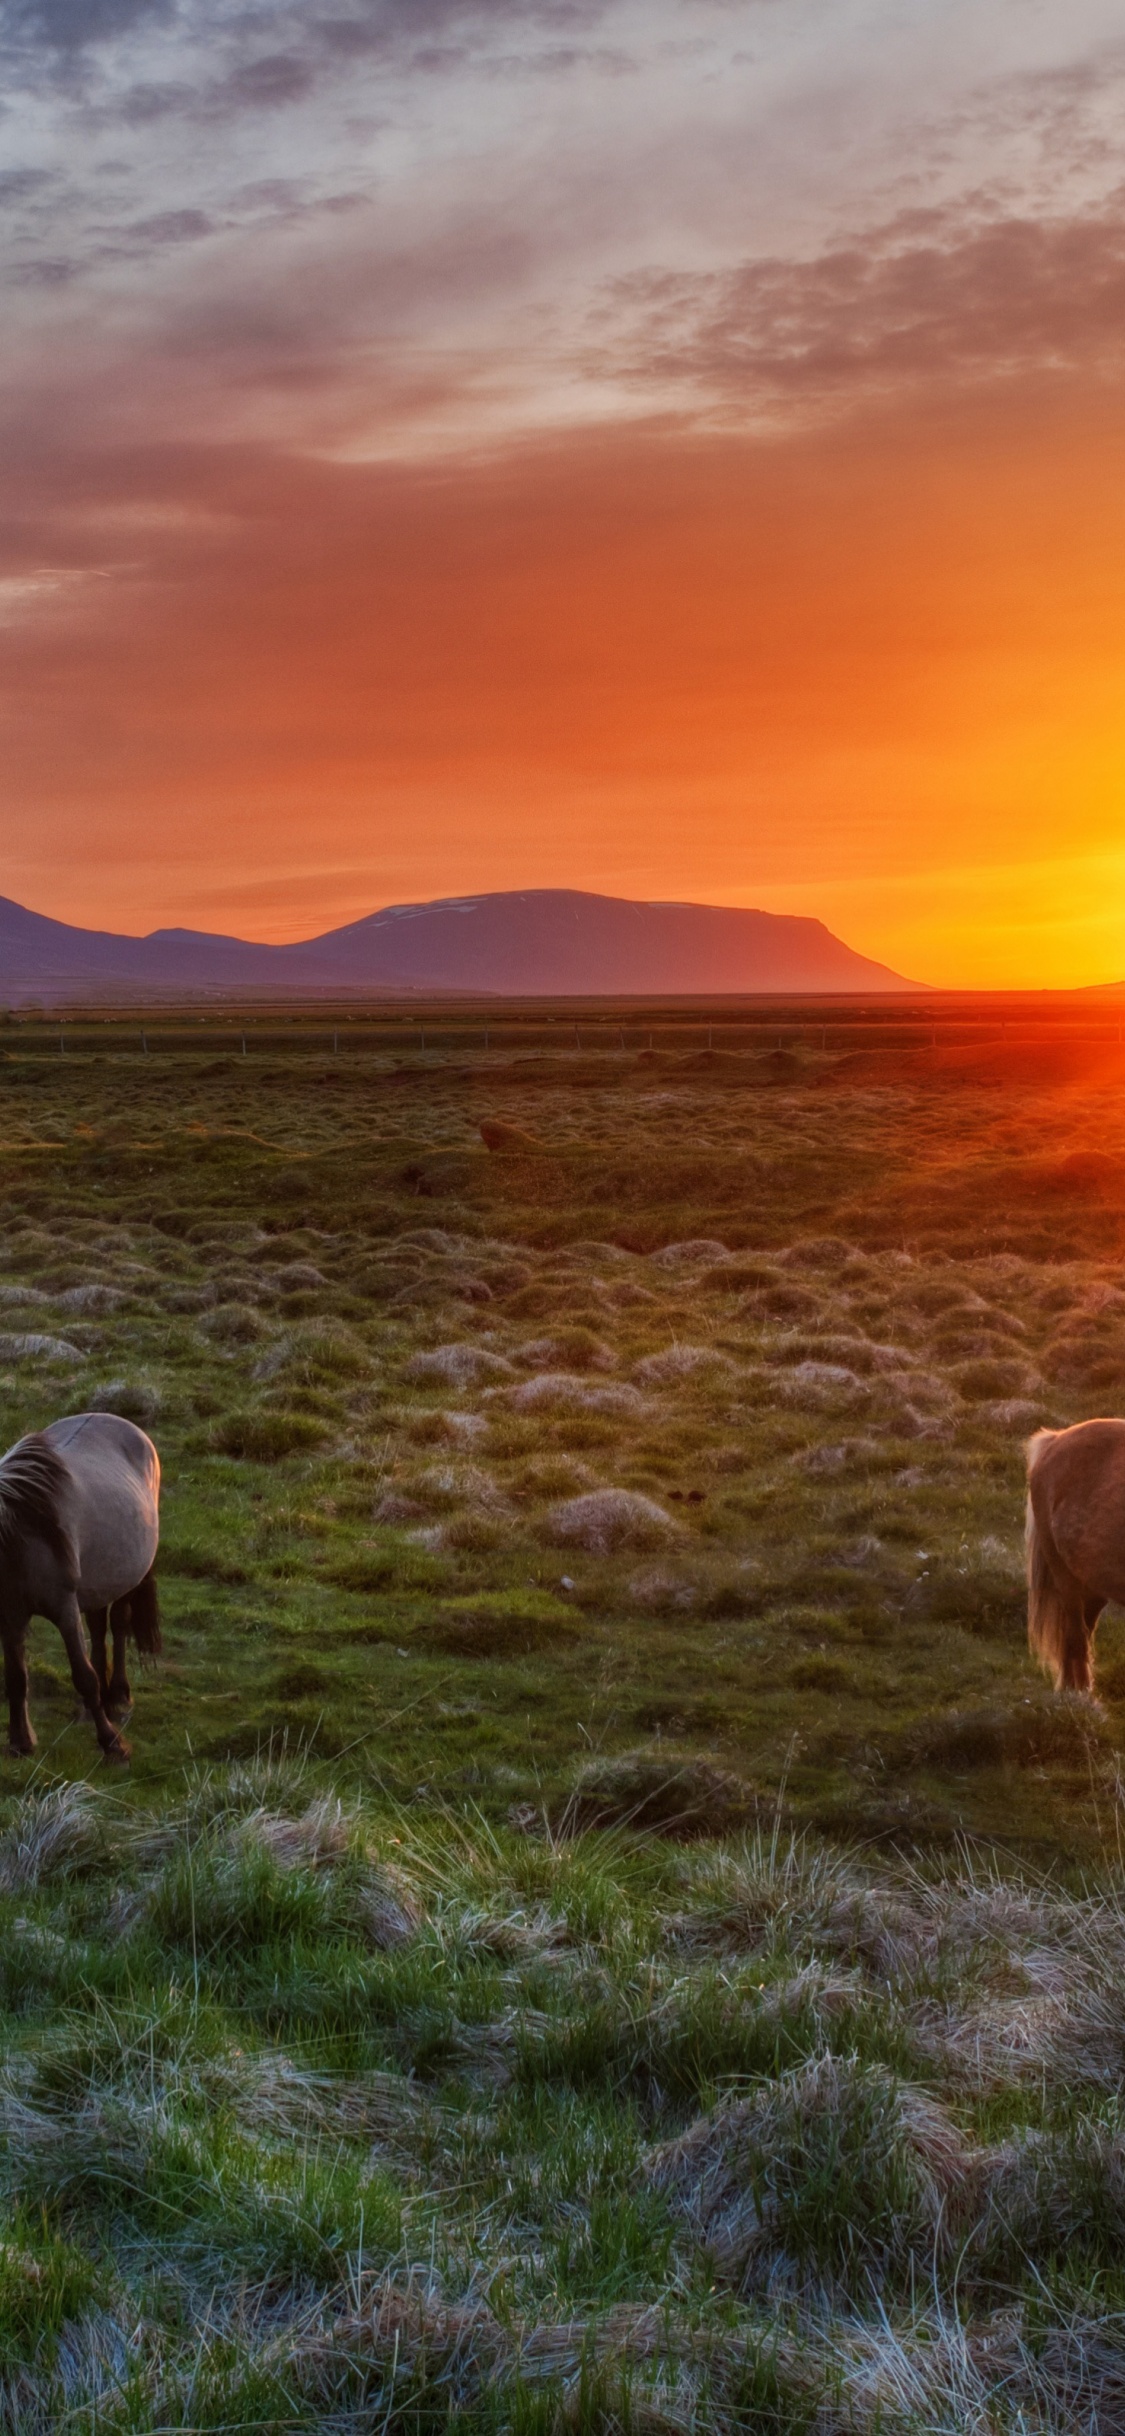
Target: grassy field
{"x": 604, "y": 1926}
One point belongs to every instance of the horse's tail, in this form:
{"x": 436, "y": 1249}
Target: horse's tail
{"x": 1049, "y": 1622}
{"x": 142, "y": 1617}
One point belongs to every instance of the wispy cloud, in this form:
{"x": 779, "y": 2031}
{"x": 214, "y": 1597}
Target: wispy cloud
{"x": 931, "y": 298}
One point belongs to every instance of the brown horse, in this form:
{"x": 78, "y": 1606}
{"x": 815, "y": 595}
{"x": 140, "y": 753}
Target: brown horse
{"x": 79, "y": 1523}
{"x": 1075, "y": 1544}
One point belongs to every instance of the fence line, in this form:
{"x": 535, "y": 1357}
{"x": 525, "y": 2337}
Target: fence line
{"x": 749, "y": 1033}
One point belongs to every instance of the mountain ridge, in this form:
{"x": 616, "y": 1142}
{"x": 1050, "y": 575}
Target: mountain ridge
{"x": 551, "y": 943}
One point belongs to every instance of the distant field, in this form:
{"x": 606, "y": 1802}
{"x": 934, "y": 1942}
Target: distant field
{"x": 806, "y": 1306}
{"x": 552, "y": 1533}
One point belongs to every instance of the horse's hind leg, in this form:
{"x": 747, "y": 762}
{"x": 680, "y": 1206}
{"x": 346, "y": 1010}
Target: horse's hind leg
{"x": 1092, "y": 1609}
{"x": 86, "y": 1682}
{"x": 21, "y": 1737}
{"x": 97, "y": 1622}
{"x": 118, "y": 1698}
{"x": 1077, "y": 1651}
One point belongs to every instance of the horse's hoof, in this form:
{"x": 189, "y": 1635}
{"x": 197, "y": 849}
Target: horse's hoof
{"x": 21, "y": 1750}
{"x": 118, "y": 1753}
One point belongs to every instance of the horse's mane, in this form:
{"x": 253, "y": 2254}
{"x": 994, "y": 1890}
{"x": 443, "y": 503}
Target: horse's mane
{"x": 33, "y": 1479}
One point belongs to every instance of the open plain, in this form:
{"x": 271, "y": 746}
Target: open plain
{"x": 605, "y": 1925}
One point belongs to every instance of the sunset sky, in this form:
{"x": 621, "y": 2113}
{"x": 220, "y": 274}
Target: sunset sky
{"x": 673, "y": 447}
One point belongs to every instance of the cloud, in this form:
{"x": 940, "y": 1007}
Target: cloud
{"x": 76, "y": 25}
{"x": 172, "y": 228}
{"x": 19, "y": 185}
{"x": 268, "y": 82}
{"x": 926, "y": 299}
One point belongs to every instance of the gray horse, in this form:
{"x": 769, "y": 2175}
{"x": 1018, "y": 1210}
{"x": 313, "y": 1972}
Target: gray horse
{"x": 79, "y": 1524}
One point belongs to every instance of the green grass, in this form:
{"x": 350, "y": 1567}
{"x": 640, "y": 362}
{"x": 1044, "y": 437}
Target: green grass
{"x": 605, "y": 1927}
{"x": 313, "y": 2113}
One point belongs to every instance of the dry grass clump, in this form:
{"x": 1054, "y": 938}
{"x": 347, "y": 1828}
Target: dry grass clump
{"x": 823, "y": 1252}
{"x": 32, "y": 1346}
{"x": 988, "y": 1381}
{"x": 835, "y": 2173}
{"x": 298, "y": 1277}
{"x": 232, "y": 1325}
{"x": 324, "y": 1833}
{"x": 47, "y": 1834}
{"x": 602, "y": 1521}
{"x": 646, "y": 1792}
{"x": 677, "y": 1362}
{"x": 443, "y": 1486}
{"x": 776, "y": 1892}
{"x": 498, "y": 1623}
{"x": 701, "y": 1251}
{"x": 134, "y": 1399}
{"x": 558, "y": 1391}
{"x": 662, "y": 1590}
{"x": 577, "y": 1348}
{"x": 829, "y": 1457}
{"x": 313, "y": 1352}
{"x": 816, "y": 1386}
{"x": 459, "y": 1366}
{"x": 1068, "y": 1730}
{"x": 498, "y": 1135}
{"x": 266, "y": 1434}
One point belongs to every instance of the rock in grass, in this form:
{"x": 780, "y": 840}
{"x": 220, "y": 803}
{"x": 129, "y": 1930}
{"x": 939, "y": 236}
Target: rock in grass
{"x": 654, "y": 1793}
{"x": 606, "y": 1519}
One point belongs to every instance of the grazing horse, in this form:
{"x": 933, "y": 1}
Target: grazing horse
{"x": 79, "y": 1524}
{"x": 1075, "y": 1544}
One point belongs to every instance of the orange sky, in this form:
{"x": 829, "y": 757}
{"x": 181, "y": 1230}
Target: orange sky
{"x": 382, "y": 557}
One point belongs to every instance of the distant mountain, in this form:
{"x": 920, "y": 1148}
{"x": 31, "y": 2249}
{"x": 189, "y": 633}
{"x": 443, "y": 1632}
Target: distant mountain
{"x": 521, "y": 943}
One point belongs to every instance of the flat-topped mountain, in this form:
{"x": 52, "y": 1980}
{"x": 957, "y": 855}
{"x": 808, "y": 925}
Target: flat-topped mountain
{"x": 528, "y": 942}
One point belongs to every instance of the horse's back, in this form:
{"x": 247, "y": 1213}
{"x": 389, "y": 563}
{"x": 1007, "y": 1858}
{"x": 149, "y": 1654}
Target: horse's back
{"x": 1077, "y": 1486}
{"x": 115, "y": 1501}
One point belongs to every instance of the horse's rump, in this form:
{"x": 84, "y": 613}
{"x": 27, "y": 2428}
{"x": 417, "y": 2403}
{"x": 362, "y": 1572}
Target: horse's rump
{"x": 112, "y": 1506}
{"x": 1075, "y": 1542}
